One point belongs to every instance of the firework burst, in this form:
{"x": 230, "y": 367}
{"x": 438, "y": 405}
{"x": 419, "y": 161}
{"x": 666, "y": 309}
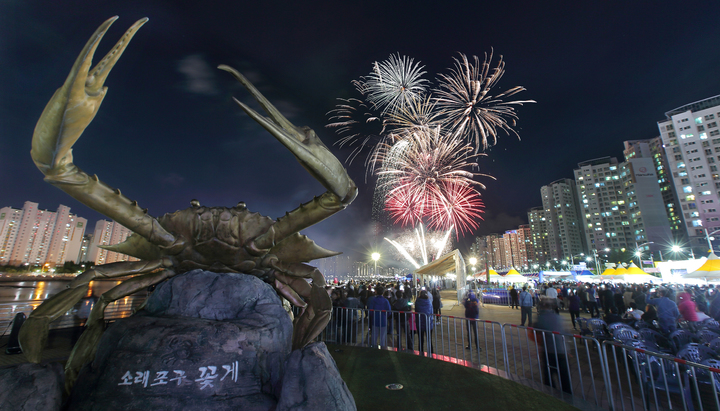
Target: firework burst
{"x": 395, "y": 83}
{"x": 469, "y": 109}
{"x": 427, "y": 177}
{"x": 424, "y": 144}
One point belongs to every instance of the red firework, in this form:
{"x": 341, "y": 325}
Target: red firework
{"x": 441, "y": 205}
{"x": 459, "y": 205}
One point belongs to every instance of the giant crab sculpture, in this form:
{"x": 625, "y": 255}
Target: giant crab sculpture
{"x": 218, "y": 239}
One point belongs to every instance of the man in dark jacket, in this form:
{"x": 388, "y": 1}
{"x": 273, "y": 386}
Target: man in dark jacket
{"x": 472, "y": 313}
{"x": 349, "y": 314}
{"x": 378, "y": 307}
{"x": 514, "y": 298}
{"x": 401, "y": 317}
{"x": 551, "y": 347}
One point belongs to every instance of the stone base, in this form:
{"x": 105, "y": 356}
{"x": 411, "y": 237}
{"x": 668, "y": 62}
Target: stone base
{"x": 31, "y": 387}
{"x": 312, "y": 382}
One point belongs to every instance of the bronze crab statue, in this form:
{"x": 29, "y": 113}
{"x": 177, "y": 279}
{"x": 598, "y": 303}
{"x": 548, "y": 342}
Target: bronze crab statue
{"x": 218, "y": 239}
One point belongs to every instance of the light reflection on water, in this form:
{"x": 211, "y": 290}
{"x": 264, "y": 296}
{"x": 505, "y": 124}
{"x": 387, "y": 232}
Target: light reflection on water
{"x": 26, "y": 296}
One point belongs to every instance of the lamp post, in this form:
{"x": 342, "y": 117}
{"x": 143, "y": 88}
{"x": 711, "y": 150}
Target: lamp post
{"x": 473, "y": 261}
{"x": 639, "y": 253}
{"x": 572, "y": 258}
{"x": 376, "y": 257}
{"x": 708, "y": 238}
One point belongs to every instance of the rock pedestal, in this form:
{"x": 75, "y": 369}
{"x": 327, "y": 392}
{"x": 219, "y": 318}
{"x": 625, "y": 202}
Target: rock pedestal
{"x": 209, "y": 341}
{"x": 31, "y": 387}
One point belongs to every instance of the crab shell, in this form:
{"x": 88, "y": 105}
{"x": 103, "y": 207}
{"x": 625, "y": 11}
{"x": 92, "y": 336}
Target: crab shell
{"x": 221, "y": 239}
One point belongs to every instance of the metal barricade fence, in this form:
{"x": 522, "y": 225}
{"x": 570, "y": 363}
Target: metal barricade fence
{"x": 498, "y": 296}
{"x": 650, "y": 380}
{"x": 568, "y": 366}
{"x": 473, "y": 343}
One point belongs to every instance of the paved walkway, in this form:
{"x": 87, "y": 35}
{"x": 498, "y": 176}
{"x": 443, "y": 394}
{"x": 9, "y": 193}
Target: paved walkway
{"x": 500, "y": 313}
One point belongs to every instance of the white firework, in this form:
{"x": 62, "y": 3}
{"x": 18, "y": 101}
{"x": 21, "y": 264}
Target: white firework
{"x": 468, "y": 108}
{"x": 395, "y": 83}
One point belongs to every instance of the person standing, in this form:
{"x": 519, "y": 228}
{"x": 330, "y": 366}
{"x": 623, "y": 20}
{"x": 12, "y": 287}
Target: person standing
{"x": 424, "y": 321}
{"x": 526, "y": 306}
{"x": 514, "y": 298}
{"x": 551, "y": 294}
{"x": 436, "y": 303}
{"x": 351, "y": 307}
{"x": 573, "y": 307}
{"x": 667, "y": 311}
{"x": 591, "y": 301}
{"x": 472, "y": 313}
{"x": 379, "y": 307}
{"x": 551, "y": 347}
{"x": 401, "y": 315}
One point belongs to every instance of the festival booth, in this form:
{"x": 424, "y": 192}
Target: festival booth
{"x": 635, "y": 275}
{"x": 482, "y": 275}
{"x": 512, "y": 277}
{"x": 676, "y": 271}
{"x": 554, "y": 275}
{"x": 580, "y": 275}
{"x": 709, "y": 271}
{"x": 446, "y": 268}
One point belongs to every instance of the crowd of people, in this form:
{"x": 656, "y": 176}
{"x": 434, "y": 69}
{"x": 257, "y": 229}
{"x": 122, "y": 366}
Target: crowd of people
{"x": 398, "y": 308}
{"x": 661, "y": 307}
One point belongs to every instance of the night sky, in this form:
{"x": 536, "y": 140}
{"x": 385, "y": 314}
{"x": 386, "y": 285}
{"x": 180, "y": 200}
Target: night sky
{"x": 168, "y": 131}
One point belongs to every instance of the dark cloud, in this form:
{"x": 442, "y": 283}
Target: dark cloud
{"x": 199, "y": 76}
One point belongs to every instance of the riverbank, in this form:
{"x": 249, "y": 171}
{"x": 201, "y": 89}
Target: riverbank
{"x": 5, "y": 277}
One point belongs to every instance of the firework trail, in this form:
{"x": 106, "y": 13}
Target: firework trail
{"x": 468, "y": 108}
{"x": 414, "y": 247}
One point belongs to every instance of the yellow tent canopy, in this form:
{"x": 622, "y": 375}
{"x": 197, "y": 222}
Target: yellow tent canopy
{"x": 621, "y": 270}
{"x": 608, "y": 271}
{"x": 513, "y": 272}
{"x": 633, "y": 269}
{"x": 481, "y": 274}
{"x": 709, "y": 270}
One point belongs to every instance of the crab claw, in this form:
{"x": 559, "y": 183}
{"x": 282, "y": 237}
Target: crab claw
{"x": 67, "y": 114}
{"x": 74, "y": 105}
{"x": 305, "y": 145}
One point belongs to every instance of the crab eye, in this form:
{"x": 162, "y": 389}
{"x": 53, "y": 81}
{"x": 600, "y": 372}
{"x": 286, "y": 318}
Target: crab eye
{"x": 241, "y": 205}
{"x": 194, "y": 203}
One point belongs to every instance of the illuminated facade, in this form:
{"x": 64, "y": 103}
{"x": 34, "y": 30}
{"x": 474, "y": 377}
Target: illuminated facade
{"x": 40, "y": 237}
{"x": 622, "y": 206}
{"x": 565, "y": 234}
{"x": 108, "y": 233}
{"x": 691, "y": 137}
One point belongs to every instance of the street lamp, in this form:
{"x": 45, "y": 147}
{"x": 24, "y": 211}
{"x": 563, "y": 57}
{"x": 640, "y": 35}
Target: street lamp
{"x": 473, "y": 261}
{"x": 708, "y": 238}
{"x": 572, "y": 257}
{"x": 639, "y": 253}
{"x": 677, "y": 249}
{"x": 376, "y": 257}
{"x": 597, "y": 260}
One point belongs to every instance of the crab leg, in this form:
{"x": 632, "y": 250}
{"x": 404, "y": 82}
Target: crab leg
{"x": 34, "y": 332}
{"x": 316, "y": 315}
{"x": 67, "y": 114}
{"x": 85, "y": 348}
{"x": 313, "y": 155}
